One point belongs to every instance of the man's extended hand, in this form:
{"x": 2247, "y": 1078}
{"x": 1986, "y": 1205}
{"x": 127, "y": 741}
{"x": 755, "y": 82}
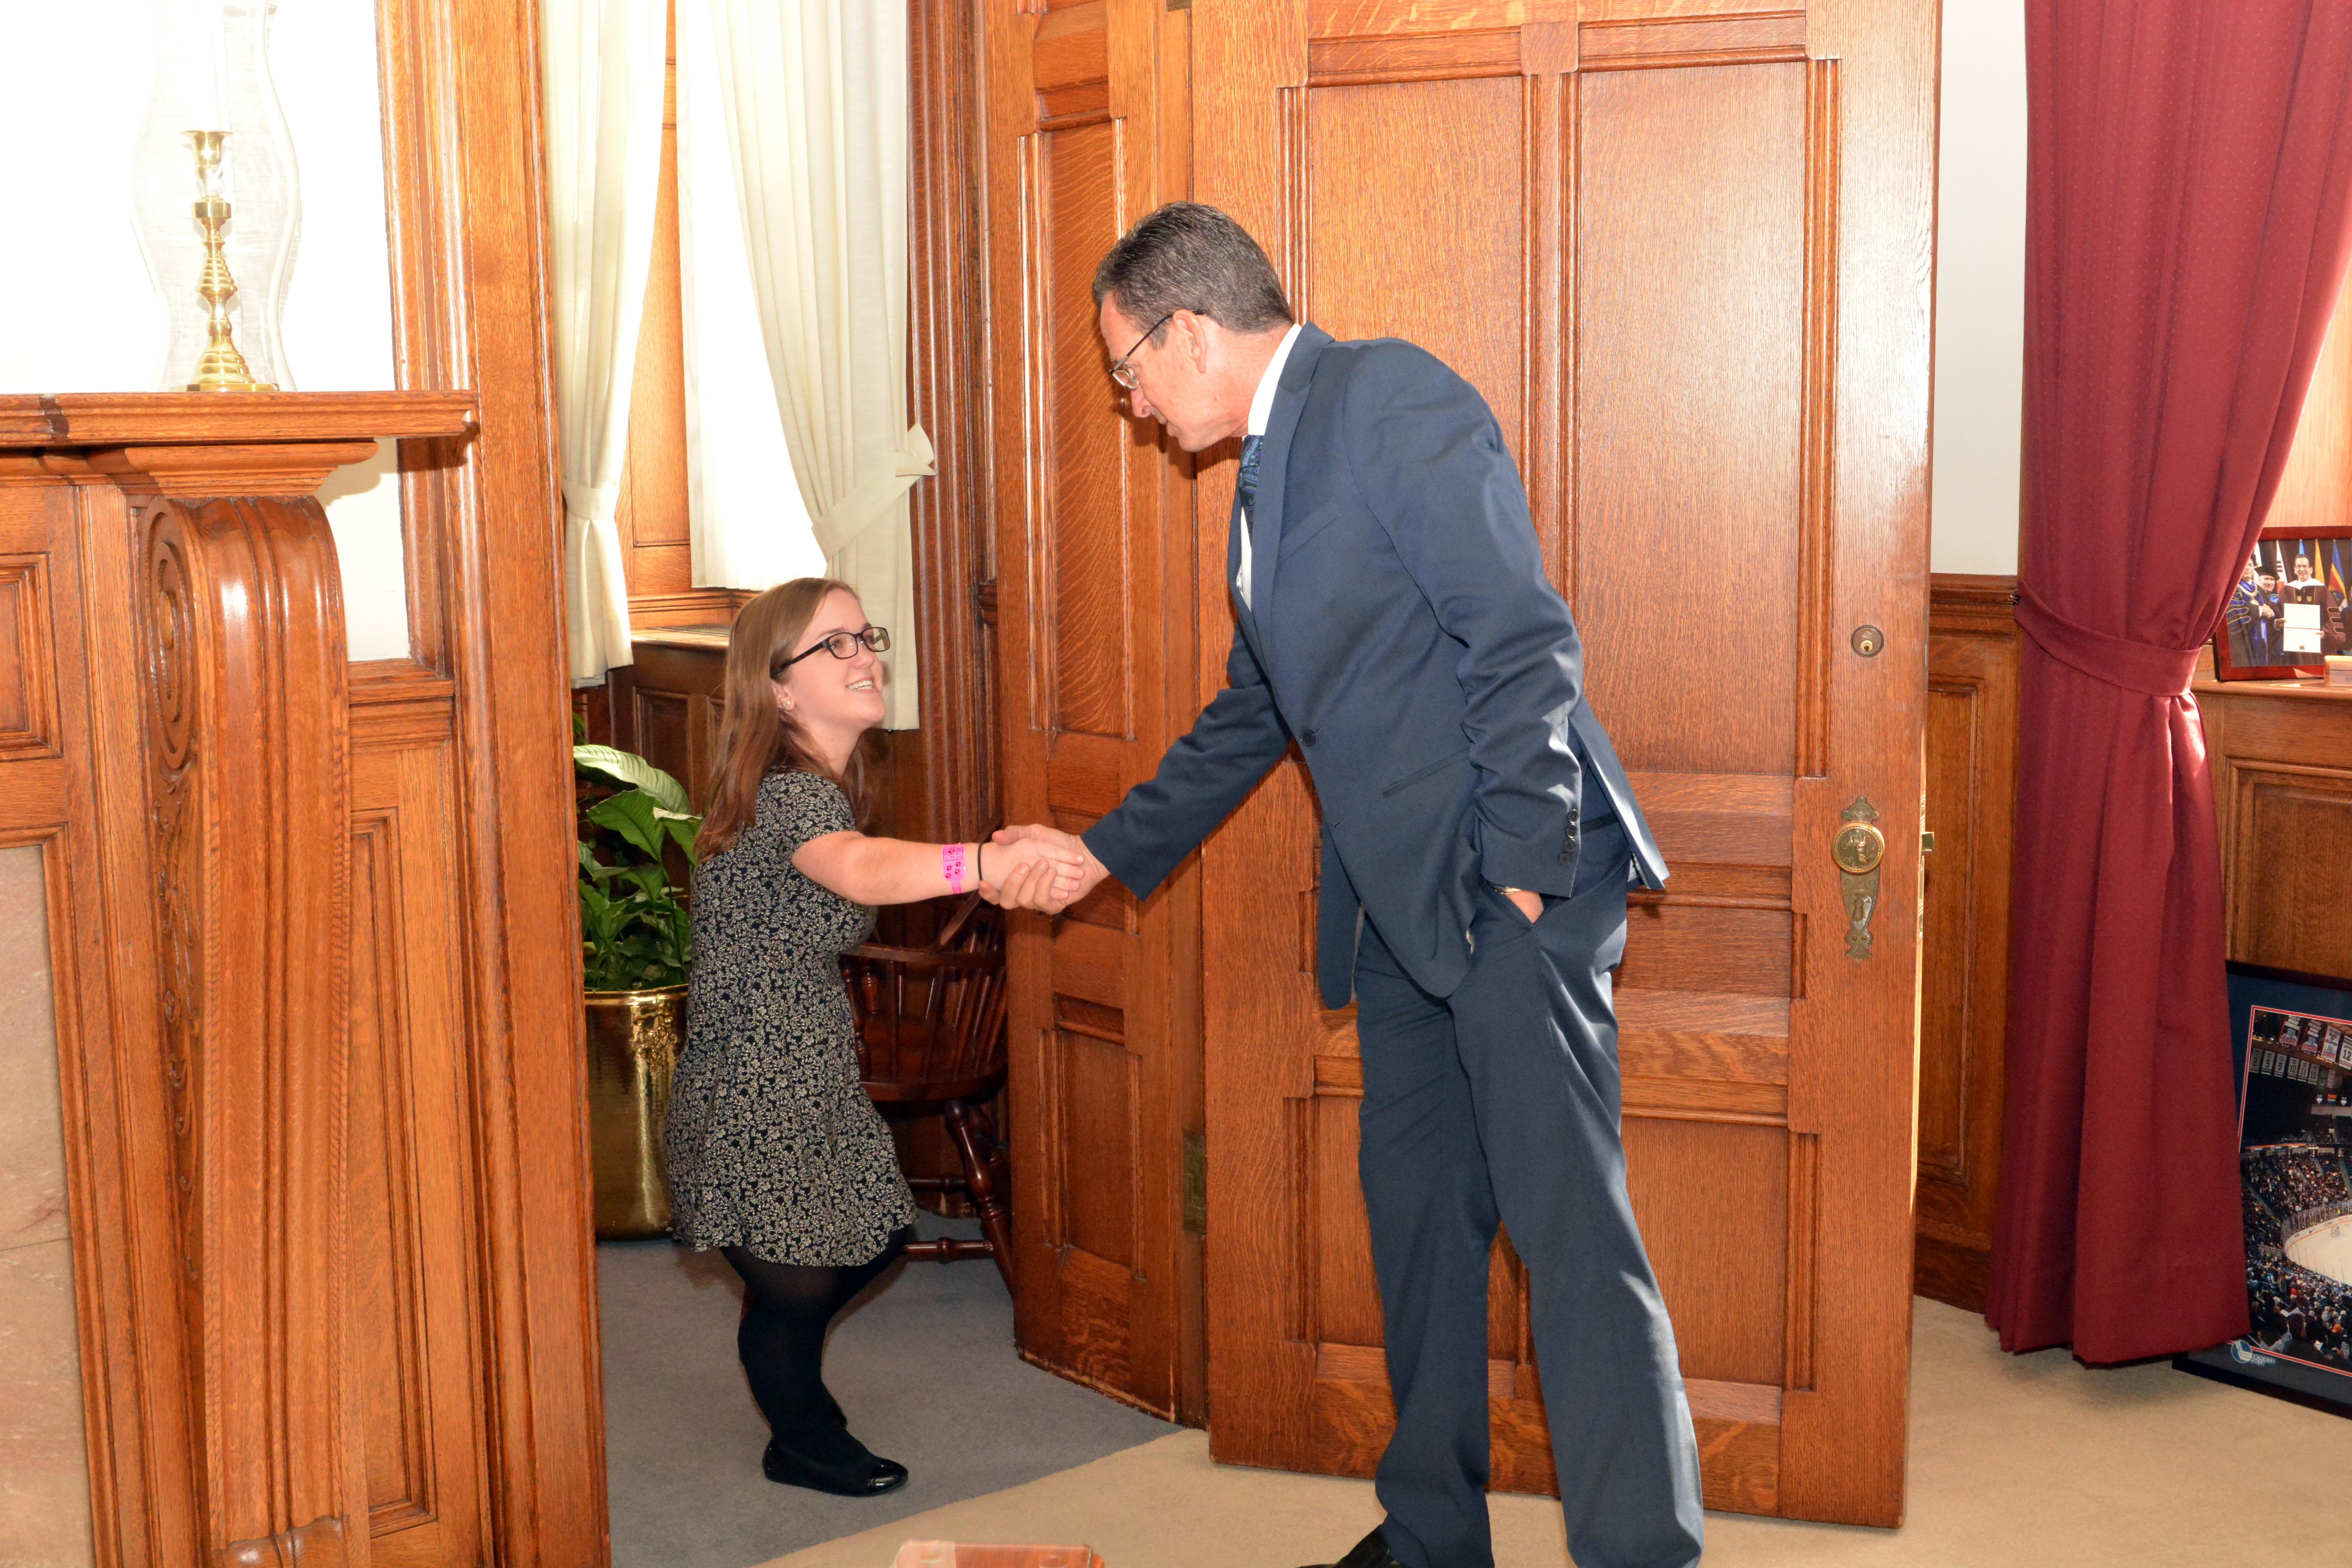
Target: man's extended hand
{"x": 1031, "y": 873}
{"x": 1526, "y": 903}
{"x": 1051, "y": 895}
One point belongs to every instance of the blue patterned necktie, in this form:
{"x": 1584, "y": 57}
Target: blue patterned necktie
{"x": 1246, "y": 489}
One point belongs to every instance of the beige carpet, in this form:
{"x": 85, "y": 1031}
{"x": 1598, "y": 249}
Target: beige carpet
{"x": 2015, "y": 1460}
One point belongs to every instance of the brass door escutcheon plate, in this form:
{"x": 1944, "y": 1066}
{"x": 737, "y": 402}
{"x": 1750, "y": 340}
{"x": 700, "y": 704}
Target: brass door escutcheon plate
{"x": 1868, "y": 640}
{"x": 1856, "y": 848}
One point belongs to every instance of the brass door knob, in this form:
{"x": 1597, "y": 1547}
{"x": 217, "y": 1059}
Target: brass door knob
{"x": 1857, "y": 847}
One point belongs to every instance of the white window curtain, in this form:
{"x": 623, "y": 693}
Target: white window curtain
{"x": 748, "y": 523}
{"x": 815, "y": 96}
{"x": 601, "y": 65}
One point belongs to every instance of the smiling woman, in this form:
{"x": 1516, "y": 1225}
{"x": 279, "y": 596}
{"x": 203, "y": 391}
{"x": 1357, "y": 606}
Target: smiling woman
{"x": 775, "y": 1154}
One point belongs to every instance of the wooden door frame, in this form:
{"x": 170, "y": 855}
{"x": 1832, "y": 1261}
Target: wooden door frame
{"x": 465, "y": 191}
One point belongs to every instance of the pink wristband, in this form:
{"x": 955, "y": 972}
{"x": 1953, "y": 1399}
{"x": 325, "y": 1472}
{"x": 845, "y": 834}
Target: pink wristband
{"x": 952, "y": 865}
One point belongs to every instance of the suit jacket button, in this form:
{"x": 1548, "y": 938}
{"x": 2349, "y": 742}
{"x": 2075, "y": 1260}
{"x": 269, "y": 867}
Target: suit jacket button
{"x": 1307, "y": 738}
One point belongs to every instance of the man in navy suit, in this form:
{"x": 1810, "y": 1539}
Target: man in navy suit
{"x": 1391, "y": 616}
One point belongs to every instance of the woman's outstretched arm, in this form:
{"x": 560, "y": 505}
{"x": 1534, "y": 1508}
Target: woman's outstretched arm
{"x": 896, "y": 871}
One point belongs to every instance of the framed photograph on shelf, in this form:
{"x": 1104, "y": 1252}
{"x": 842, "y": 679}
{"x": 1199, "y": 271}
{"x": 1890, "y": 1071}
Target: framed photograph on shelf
{"x": 2294, "y": 1037}
{"x": 2288, "y": 612}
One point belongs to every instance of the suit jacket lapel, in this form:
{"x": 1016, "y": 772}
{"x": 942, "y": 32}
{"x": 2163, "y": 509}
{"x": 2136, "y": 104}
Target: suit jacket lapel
{"x": 1273, "y": 465}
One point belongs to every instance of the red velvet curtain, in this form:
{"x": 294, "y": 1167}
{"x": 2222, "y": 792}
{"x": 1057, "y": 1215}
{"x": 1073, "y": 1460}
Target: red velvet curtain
{"x": 2188, "y": 163}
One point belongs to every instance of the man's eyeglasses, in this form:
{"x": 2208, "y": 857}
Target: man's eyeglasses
{"x": 1123, "y": 373}
{"x": 841, "y": 644}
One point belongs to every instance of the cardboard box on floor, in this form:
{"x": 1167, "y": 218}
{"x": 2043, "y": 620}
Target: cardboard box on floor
{"x": 951, "y": 1554}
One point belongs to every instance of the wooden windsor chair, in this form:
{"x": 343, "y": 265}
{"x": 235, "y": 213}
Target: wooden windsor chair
{"x": 930, "y": 1031}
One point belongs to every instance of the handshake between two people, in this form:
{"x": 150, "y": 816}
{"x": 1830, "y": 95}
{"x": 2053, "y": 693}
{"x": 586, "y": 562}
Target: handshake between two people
{"x": 1033, "y": 866}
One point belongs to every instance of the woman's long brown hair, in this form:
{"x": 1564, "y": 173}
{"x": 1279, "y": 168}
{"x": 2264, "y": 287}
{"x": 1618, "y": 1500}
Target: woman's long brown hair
{"x": 754, "y": 739}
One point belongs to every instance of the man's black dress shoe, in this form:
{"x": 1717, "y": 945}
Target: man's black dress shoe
{"x": 1371, "y": 1551}
{"x": 869, "y": 1477}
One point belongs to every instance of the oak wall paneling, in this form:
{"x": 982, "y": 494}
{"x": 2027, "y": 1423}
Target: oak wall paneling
{"x": 666, "y": 701}
{"x": 1972, "y": 711}
{"x": 412, "y": 1222}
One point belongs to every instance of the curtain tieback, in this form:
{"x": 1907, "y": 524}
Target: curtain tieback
{"x": 591, "y": 503}
{"x": 870, "y": 501}
{"x": 2134, "y": 665}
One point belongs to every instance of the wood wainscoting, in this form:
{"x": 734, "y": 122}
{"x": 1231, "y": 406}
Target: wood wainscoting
{"x": 1972, "y": 680}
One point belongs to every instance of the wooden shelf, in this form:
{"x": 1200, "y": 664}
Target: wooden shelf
{"x": 203, "y": 418}
{"x": 703, "y": 636}
{"x": 2305, "y": 690}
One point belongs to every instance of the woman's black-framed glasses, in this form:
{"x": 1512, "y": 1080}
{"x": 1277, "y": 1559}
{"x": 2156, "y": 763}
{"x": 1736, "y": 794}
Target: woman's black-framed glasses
{"x": 842, "y": 645}
{"x": 1123, "y": 373}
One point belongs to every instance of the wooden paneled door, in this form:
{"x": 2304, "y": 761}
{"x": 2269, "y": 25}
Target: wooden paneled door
{"x": 1086, "y": 132}
{"x": 1686, "y": 258}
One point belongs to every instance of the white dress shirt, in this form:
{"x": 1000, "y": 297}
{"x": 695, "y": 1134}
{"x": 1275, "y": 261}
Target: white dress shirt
{"x": 1262, "y": 410}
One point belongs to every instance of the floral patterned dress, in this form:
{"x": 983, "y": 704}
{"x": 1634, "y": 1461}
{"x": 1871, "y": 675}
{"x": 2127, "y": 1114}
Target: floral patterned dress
{"x": 772, "y": 1142}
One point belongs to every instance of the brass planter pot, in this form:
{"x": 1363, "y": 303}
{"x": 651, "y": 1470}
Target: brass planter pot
{"x": 633, "y": 1044}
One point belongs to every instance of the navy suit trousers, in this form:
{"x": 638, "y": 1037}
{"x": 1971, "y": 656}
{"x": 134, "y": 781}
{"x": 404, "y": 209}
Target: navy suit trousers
{"x": 1500, "y": 1102}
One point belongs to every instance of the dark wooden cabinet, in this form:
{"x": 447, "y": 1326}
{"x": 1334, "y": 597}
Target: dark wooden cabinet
{"x": 665, "y": 704}
{"x": 2281, "y": 756}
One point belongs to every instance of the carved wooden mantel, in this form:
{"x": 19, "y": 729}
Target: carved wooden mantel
{"x": 242, "y": 673}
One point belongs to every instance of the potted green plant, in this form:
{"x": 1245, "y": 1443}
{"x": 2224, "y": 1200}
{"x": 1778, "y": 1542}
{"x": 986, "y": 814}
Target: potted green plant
{"x": 636, "y": 942}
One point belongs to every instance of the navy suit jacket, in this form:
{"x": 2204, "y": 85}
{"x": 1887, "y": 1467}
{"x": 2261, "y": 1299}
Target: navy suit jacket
{"x": 1404, "y": 634}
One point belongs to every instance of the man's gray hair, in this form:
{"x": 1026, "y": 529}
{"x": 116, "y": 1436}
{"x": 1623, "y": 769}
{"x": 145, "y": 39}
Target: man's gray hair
{"x": 1188, "y": 257}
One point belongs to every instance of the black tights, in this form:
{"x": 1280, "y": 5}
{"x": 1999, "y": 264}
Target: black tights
{"x": 788, "y": 1307}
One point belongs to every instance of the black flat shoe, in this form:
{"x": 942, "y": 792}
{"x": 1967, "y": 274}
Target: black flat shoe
{"x": 870, "y": 1477}
{"x": 1371, "y": 1551}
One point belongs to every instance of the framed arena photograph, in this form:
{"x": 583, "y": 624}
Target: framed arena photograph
{"x": 2287, "y": 613}
{"x": 2294, "y": 1037}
